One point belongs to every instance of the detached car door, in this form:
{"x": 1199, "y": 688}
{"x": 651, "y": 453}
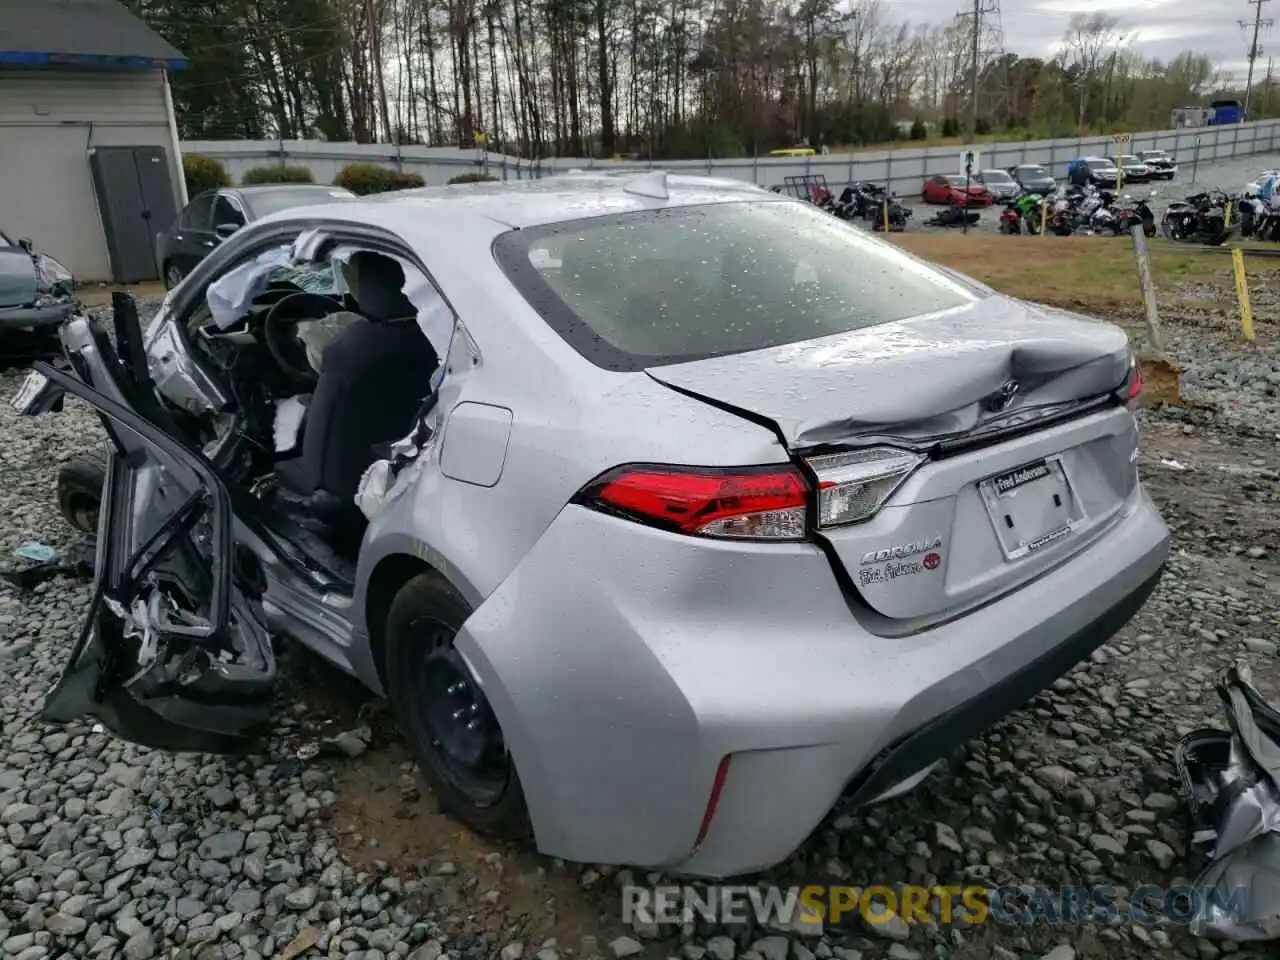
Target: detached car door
{"x": 174, "y": 653}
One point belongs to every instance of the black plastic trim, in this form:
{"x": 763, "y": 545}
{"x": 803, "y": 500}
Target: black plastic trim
{"x": 946, "y": 733}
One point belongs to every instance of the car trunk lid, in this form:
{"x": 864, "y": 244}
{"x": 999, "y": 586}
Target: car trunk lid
{"x": 963, "y": 523}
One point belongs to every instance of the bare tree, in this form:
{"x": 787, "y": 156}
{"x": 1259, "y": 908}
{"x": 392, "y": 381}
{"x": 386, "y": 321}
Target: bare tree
{"x": 1090, "y": 41}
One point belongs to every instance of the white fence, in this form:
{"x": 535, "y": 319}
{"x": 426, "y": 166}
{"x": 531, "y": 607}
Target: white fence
{"x": 903, "y": 170}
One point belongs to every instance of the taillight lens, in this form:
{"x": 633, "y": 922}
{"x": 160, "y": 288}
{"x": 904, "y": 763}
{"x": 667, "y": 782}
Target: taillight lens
{"x": 1133, "y": 383}
{"x": 854, "y": 485}
{"x": 757, "y": 503}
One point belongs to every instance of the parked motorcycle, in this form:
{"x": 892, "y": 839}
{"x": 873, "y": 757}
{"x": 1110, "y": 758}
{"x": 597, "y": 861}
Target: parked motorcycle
{"x": 1259, "y": 220}
{"x": 1131, "y": 213}
{"x": 898, "y": 215}
{"x": 1063, "y": 216}
{"x": 1011, "y": 218}
{"x": 1201, "y": 218}
{"x": 954, "y": 216}
{"x": 1263, "y": 220}
{"x": 862, "y": 197}
{"x": 1030, "y": 207}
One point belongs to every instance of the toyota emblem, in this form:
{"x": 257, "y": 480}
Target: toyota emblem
{"x": 1003, "y": 397}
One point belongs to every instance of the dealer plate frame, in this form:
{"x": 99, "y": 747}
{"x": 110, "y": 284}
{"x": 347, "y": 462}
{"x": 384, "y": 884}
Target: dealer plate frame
{"x": 997, "y": 503}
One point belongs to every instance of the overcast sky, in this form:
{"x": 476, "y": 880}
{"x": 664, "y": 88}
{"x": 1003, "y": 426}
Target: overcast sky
{"x": 1160, "y": 28}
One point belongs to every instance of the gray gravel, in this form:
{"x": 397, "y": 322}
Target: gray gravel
{"x": 107, "y": 850}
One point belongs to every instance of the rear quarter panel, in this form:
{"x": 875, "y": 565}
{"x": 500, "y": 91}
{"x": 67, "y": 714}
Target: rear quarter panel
{"x": 570, "y": 422}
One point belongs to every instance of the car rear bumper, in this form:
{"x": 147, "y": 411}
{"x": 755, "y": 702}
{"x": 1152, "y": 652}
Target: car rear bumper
{"x": 33, "y": 318}
{"x": 625, "y": 664}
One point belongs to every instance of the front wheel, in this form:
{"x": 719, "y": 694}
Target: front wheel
{"x": 444, "y": 714}
{"x": 173, "y": 274}
{"x": 79, "y": 491}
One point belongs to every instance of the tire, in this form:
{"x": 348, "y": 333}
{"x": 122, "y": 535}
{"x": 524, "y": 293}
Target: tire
{"x": 424, "y": 618}
{"x": 173, "y": 274}
{"x": 80, "y": 491}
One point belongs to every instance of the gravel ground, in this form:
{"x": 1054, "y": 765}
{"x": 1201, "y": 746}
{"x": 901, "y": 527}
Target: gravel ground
{"x": 107, "y": 850}
{"x": 1229, "y": 175}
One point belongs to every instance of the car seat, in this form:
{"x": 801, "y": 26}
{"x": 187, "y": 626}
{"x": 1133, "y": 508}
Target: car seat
{"x": 374, "y": 377}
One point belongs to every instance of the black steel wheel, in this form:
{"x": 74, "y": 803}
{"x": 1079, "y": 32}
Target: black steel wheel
{"x": 444, "y": 714}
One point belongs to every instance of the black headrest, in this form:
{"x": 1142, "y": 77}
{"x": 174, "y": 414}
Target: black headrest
{"x": 376, "y": 283}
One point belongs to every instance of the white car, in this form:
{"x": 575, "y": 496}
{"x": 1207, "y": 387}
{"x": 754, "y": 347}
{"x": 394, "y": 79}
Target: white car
{"x": 1255, "y": 188}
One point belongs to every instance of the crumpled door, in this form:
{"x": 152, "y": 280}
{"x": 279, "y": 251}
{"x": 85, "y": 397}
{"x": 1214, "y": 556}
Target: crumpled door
{"x": 1232, "y": 783}
{"x": 174, "y": 653}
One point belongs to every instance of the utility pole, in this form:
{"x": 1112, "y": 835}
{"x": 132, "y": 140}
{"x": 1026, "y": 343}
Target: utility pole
{"x": 1266, "y": 99}
{"x": 980, "y": 10}
{"x": 1254, "y": 50}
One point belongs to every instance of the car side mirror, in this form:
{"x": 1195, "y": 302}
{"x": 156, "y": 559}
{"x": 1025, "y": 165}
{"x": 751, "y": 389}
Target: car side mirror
{"x": 26, "y": 244}
{"x": 224, "y": 230}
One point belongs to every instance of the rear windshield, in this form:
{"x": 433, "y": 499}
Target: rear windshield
{"x": 263, "y": 202}
{"x": 684, "y": 283}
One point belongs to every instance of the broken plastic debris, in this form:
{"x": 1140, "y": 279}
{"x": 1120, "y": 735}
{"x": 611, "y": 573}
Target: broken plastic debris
{"x": 350, "y": 743}
{"x": 1231, "y": 782}
{"x": 38, "y": 552}
{"x": 308, "y": 750}
{"x": 1173, "y": 464}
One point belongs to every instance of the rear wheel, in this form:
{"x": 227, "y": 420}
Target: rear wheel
{"x": 445, "y": 716}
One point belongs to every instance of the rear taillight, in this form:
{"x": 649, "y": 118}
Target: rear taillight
{"x": 756, "y": 503}
{"x": 1133, "y": 382}
{"x": 853, "y": 486}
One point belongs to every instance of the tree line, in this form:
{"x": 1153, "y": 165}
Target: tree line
{"x": 659, "y": 78}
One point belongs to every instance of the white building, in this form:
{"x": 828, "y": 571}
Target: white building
{"x": 90, "y": 168}
{"x": 1185, "y": 117}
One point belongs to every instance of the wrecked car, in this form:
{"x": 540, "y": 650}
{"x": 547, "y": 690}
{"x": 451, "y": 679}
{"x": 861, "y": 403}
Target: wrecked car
{"x": 661, "y": 529}
{"x": 36, "y": 295}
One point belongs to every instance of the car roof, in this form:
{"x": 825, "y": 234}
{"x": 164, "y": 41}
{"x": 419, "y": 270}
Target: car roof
{"x": 518, "y": 204}
{"x": 264, "y": 187}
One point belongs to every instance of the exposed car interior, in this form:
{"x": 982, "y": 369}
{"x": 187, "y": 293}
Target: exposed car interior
{"x": 327, "y": 367}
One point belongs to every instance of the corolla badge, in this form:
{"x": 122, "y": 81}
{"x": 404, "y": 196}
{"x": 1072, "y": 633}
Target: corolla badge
{"x": 900, "y": 550}
{"x": 1003, "y": 397}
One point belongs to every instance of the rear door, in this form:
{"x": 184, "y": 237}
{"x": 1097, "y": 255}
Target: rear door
{"x": 174, "y": 653}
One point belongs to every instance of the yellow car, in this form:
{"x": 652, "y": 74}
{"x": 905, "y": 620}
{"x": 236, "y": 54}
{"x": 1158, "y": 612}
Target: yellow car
{"x": 794, "y": 152}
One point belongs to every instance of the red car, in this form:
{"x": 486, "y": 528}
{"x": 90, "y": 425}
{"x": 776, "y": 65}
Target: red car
{"x": 950, "y": 190}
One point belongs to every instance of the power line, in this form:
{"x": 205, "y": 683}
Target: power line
{"x": 1254, "y": 50}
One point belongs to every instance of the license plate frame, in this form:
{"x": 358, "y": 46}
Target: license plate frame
{"x": 25, "y": 397}
{"x": 1025, "y": 503}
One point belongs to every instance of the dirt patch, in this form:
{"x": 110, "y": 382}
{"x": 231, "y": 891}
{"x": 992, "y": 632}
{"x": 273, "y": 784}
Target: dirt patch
{"x": 387, "y": 822}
